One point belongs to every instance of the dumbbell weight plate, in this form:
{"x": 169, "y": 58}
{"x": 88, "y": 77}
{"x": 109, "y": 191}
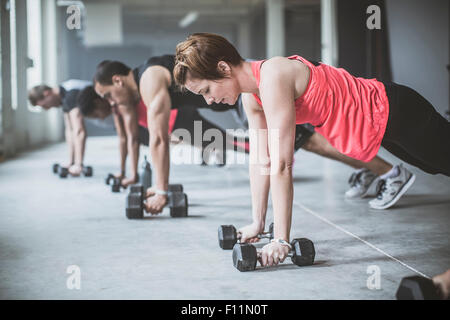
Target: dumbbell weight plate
{"x": 134, "y": 206}
{"x": 55, "y": 168}
{"x": 116, "y": 185}
{"x": 303, "y": 252}
{"x": 245, "y": 257}
{"x": 88, "y": 172}
{"x": 417, "y": 288}
{"x": 227, "y": 235}
{"x": 63, "y": 172}
{"x": 137, "y": 188}
{"x": 178, "y": 204}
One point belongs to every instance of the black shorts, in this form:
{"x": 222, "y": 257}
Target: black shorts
{"x": 143, "y": 136}
{"x": 302, "y": 133}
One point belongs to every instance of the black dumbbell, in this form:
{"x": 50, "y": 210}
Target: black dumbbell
{"x": 228, "y": 236}
{"x": 418, "y": 288}
{"x": 62, "y": 172}
{"x": 88, "y": 171}
{"x": 177, "y": 202}
{"x": 245, "y": 255}
{"x": 116, "y": 182}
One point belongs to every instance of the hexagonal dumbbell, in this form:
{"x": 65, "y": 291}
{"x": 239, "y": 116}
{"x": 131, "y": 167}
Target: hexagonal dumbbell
{"x": 417, "y": 288}
{"x": 228, "y": 236}
{"x": 246, "y": 255}
{"x": 177, "y": 202}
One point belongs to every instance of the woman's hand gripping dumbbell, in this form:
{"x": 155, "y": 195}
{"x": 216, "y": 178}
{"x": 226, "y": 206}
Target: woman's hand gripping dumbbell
{"x": 229, "y": 236}
{"x": 301, "y": 251}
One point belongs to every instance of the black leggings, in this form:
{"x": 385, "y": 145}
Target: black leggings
{"x": 416, "y": 132}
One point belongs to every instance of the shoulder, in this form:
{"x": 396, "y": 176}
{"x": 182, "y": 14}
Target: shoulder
{"x": 75, "y": 112}
{"x": 282, "y": 67}
{"x": 156, "y": 76}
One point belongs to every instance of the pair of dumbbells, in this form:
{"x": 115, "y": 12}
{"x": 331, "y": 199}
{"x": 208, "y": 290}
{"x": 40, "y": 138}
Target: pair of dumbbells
{"x": 245, "y": 255}
{"x": 228, "y": 236}
{"x": 418, "y": 288}
{"x": 177, "y": 201}
{"x": 64, "y": 172}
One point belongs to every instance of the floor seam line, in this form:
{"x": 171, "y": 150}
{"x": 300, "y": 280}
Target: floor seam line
{"x": 358, "y": 238}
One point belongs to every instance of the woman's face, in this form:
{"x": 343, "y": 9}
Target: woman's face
{"x": 214, "y": 91}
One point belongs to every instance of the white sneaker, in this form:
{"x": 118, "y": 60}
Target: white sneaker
{"x": 390, "y": 190}
{"x": 362, "y": 183}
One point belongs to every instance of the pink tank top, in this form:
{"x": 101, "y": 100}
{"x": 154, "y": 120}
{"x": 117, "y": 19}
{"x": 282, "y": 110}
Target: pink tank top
{"x": 142, "y": 116}
{"x": 350, "y": 112}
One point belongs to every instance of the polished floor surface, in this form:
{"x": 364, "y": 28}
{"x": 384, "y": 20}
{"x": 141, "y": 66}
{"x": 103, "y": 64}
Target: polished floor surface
{"x": 48, "y": 225}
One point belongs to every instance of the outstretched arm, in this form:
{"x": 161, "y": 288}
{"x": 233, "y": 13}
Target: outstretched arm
{"x": 155, "y": 94}
{"x": 277, "y": 96}
{"x": 69, "y": 139}
{"x": 120, "y": 129}
{"x": 277, "y": 91}
{"x": 258, "y": 168}
{"x": 130, "y": 121}
{"x": 79, "y": 139}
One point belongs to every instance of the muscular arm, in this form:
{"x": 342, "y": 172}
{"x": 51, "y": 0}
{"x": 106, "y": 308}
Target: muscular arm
{"x": 259, "y": 159}
{"x": 120, "y": 129}
{"x": 277, "y": 91}
{"x": 78, "y": 134}
{"x": 130, "y": 121}
{"x": 154, "y": 92}
{"x": 69, "y": 140}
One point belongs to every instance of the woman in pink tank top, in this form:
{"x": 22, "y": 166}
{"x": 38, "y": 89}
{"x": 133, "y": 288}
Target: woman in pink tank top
{"x": 355, "y": 115}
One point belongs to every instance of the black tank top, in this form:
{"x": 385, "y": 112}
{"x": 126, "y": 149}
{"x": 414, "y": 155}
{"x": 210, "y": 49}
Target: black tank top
{"x": 178, "y": 98}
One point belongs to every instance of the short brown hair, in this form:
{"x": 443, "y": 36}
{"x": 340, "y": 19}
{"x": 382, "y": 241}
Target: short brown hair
{"x": 37, "y": 93}
{"x": 107, "y": 69}
{"x": 200, "y": 53}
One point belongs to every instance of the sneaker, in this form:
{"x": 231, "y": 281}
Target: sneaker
{"x": 391, "y": 189}
{"x": 362, "y": 183}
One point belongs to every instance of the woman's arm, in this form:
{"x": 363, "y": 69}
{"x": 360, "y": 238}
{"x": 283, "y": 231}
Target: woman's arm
{"x": 277, "y": 90}
{"x": 259, "y": 164}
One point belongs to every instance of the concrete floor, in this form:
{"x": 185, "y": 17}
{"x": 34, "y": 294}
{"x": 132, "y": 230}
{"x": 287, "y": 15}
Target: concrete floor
{"x": 48, "y": 224}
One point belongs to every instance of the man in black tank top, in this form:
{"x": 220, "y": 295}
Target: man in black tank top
{"x": 152, "y": 83}
{"x": 93, "y": 106}
{"x": 65, "y": 96}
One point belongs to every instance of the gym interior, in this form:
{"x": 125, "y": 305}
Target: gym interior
{"x": 67, "y": 237}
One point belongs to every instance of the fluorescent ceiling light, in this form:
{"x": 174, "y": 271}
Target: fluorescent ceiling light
{"x": 188, "y": 19}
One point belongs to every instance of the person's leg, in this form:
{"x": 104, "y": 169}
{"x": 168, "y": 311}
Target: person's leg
{"x": 417, "y": 129}
{"x": 319, "y": 145}
{"x": 363, "y": 181}
{"x": 400, "y": 153}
